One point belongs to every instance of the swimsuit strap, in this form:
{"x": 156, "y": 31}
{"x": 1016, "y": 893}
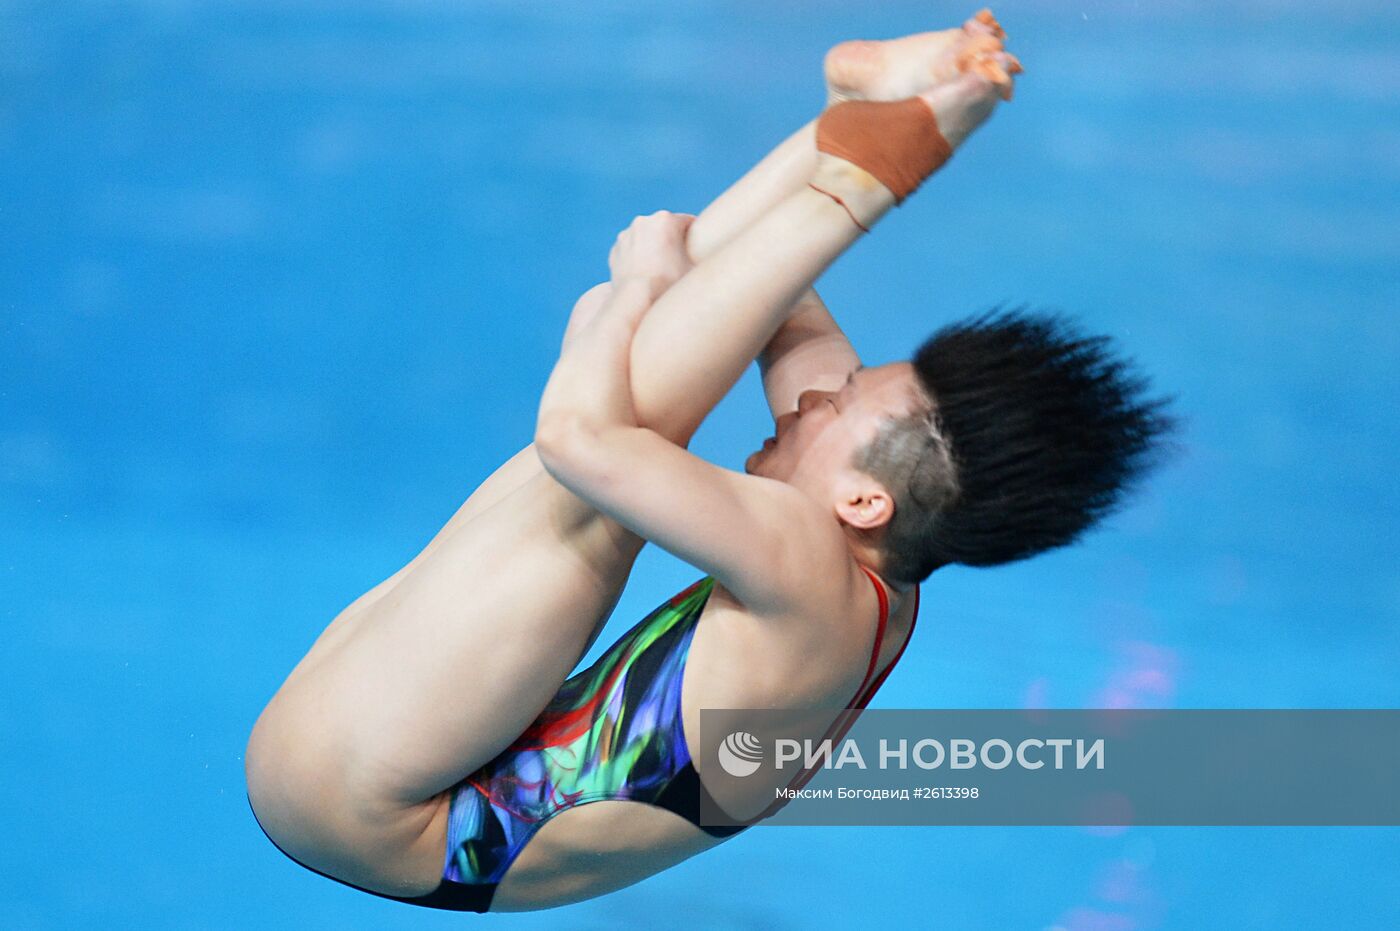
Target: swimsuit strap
{"x": 883, "y": 622}
{"x": 867, "y": 689}
{"x": 864, "y": 694}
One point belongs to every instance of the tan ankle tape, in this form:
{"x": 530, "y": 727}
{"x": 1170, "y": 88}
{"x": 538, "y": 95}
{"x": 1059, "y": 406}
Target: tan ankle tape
{"x": 897, "y": 141}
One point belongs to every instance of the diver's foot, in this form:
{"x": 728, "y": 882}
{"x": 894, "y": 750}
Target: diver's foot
{"x": 965, "y": 101}
{"x": 876, "y": 143}
{"x": 901, "y": 68}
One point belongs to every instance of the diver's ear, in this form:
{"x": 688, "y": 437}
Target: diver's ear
{"x": 866, "y": 505}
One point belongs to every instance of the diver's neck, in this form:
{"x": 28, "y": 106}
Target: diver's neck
{"x": 866, "y": 550}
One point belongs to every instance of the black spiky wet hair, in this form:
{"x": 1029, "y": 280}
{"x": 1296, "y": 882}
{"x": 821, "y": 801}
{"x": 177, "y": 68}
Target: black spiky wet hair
{"x": 1032, "y": 434}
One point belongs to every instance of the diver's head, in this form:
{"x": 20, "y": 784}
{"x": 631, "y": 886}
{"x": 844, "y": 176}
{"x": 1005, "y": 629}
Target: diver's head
{"x": 1009, "y": 434}
{"x": 1031, "y": 434}
{"x": 818, "y": 447}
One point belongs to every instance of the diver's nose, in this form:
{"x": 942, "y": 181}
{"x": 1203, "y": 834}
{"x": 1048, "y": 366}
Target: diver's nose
{"x": 809, "y": 399}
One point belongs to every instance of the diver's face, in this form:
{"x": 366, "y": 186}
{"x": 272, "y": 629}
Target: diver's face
{"x": 822, "y": 437}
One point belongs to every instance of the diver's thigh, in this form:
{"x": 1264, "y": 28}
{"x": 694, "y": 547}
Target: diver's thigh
{"x": 348, "y": 763}
{"x": 447, "y": 668}
{"x": 515, "y": 472}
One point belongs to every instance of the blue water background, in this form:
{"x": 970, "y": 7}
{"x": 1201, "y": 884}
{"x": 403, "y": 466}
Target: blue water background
{"x": 280, "y": 283}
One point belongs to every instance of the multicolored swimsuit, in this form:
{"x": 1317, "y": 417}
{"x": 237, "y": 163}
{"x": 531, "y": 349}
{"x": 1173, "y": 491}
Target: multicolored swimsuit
{"x": 613, "y": 731}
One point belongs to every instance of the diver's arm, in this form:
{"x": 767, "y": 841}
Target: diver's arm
{"x": 809, "y": 351}
{"x": 758, "y": 537}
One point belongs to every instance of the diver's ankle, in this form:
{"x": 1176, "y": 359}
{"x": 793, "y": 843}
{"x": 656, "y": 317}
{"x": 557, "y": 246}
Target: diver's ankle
{"x": 856, "y": 189}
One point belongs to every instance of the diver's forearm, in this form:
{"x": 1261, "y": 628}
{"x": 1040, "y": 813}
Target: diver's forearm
{"x": 700, "y": 336}
{"x": 808, "y": 351}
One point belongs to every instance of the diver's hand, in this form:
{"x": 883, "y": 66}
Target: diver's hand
{"x": 652, "y": 249}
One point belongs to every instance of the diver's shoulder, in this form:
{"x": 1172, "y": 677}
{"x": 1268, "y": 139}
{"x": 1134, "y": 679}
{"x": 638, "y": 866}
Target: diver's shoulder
{"x": 825, "y": 584}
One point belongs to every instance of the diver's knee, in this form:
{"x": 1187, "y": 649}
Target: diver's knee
{"x": 586, "y": 308}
